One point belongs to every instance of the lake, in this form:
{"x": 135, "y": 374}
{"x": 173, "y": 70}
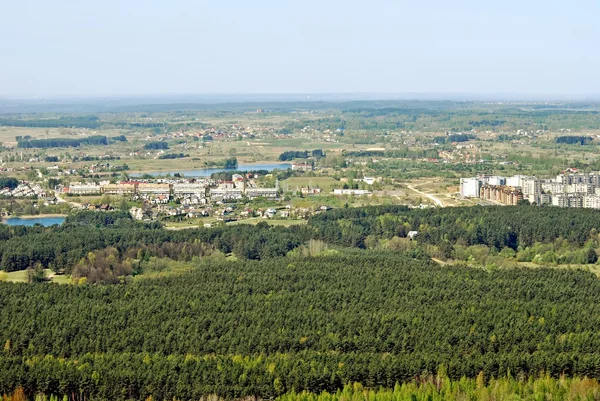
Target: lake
{"x": 45, "y": 221}
{"x": 206, "y": 172}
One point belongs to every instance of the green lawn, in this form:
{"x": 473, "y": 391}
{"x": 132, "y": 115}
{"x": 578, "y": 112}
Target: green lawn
{"x": 62, "y": 279}
{"x": 20, "y": 276}
{"x": 325, "y": 183}
{"x": 271, "y": 222}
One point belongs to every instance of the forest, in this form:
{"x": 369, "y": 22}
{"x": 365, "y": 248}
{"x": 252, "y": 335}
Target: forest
{"x": 172, "y": 156}
{"x": 297, "y": 154}
{"x": 294, "y": 312}
{"x": 268, "y": 327}
{"x": 156, "y": 145}
{"x": 63, "y": 142}
{"x": 441, "y": 388}
{"x": 571, "y": 140}
{"x": 9, "y": 182}
{"x": 496, "y": 227}
{"x": 454, "y": 138}
{"x": 400, "y": 153}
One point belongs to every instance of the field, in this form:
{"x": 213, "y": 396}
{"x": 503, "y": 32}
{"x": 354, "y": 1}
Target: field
{"x": 21, "y": 277}
{"x": 434, "y": 300}
{"x": 436, "y": 191}
{"x": 271, "y": 222}
{"x": 326, "y": 184}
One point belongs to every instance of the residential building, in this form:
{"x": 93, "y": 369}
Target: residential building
{"x": 119, "y": 189}
{"x": 355, "y": 192}
{"x": 469, "y": 187}
{"x": 77, "y": 188}
{"x": 302, "y": 166}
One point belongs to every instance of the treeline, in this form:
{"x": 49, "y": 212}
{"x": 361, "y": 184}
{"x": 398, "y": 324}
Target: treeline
{"x": 172, "y": 156}
{"x": 299, "y": 154}
{"x": 402, "y": 153}
{"x": 229, "y": 163}
{"x": 487, "y": 123}
{"x": 441, "y": 388}
{"x": 92, "y": 122}
{"x": 156, "y": 145}
{"x": 454, "y": 138}
{"x": 497, "y": 227}
{"x": 574, "y": 140}
{"x": 516, "y": 228}
{"x": 232, "y": 162}
{"x": 263, "y": 328}
{"x": 63, "y": 142}
{"x": 8, "y": 182}
{"x": 61, "y": 247}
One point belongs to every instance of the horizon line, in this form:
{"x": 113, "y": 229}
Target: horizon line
{"x": 308, "y": 96}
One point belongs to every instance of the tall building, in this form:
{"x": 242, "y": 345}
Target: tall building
{"x": 469, "y": 187}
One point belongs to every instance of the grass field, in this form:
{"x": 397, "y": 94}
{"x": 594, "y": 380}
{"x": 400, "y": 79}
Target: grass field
{"x": 271, "y": 222}
{"x": 20, "y": 276}
{"x": 327, "y": 184}
{"x": 191, "y": 223}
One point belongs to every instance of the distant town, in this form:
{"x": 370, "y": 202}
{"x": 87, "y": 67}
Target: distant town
{"x": 569, "y": 189}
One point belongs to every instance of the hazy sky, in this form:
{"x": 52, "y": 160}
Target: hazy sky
{"x": 133, "y": 47}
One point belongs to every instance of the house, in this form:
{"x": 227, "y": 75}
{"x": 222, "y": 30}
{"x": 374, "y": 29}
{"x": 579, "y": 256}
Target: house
{"x": 302, "y": 166}
{"x": 355, "y": 192}
{"x": 137, "y": 213}
{"x": 310, "y": 191}
{"x": 269, "y": 213}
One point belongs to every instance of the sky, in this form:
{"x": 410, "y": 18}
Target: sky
{"x": 63, "y": 48}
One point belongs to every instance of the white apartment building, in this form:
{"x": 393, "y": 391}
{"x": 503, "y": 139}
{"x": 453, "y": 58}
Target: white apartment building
{"x": 591, "y": 201}
{"x": 469, "y": 187}
{"x": 189, "y": 189}
{"x": 84, "y": 189}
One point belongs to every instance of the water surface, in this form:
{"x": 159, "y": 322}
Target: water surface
{"x": 45, "y": 221}
{"x": 206, "y": 172}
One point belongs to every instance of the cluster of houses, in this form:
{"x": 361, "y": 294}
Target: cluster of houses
{"x": 568, "y": 189}
{"x": 187, "y": 192}
{"x": 24, "y": 190}
{"x": 222, "y": 213}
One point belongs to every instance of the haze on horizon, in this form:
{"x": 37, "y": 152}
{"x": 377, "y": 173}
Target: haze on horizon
{"x": 114, "y": 48}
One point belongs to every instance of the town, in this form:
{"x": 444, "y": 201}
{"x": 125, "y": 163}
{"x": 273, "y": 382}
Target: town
{"x": 569, "y": 189}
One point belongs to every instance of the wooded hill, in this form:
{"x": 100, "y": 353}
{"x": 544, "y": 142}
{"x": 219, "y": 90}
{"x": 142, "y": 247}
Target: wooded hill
{"x": 61, "y": 247}
{"x": 268, "y": 327}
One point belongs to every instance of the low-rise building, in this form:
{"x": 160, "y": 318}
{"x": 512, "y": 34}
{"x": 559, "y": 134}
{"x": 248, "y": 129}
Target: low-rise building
{"x": 151, "y": 189}
{"x": 188, "y": 189}
{"x": 77, "y": 188}
{"x": 253, "y": 193}
{"x": 355, "y": 192}
{"x": 119, "y": 189}
{"x": 303, "y": 166}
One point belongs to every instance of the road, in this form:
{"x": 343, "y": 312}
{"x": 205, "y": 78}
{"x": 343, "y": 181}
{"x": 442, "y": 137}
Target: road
{"x": 73, "y": 204}
{"x": 433, "y": 198}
